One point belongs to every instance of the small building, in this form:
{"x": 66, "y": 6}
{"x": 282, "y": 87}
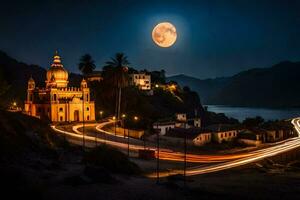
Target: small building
{"x": 256, "y": 137}
{"x": 222, "y": 132}
{"x": 94, "y": 76}
{"x": 251, "y": 137}
{"x": 58, "y": 102}
{"x": 181, "y": 117}
{"x": 194, "y": 136}
{"x": 194, "y": 122}
{"x": 163, "y": 127}
{"x": 142, "y": 80}
{"x": 278, "y": 134}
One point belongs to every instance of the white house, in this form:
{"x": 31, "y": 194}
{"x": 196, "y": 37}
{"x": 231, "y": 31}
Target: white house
{"x": 202, "y": 138}
{"x": 142, "y": 80}
{"x": 194, "y": 136}
{"x": 163, "y": 127}
{"x": 197, "y": 122}
{"x": 227, "y": 135}
{"x": 222, "y": 132}
{"x": 181, "y": 117}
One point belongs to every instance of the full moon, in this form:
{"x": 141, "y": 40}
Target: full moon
{"x": 164, "y": 34}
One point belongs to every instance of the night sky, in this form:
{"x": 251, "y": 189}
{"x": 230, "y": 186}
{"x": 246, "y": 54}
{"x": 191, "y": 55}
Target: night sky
{"x": 215, "y": 38}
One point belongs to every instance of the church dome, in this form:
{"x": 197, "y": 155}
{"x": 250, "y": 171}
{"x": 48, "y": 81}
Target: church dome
{"x": 57, "y": 75}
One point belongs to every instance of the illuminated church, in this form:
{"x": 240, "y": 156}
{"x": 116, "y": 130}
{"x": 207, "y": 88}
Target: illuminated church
{"x": 57, "y": 102}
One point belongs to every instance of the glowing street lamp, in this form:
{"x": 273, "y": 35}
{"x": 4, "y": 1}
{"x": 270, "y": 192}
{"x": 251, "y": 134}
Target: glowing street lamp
{"x": 101, "y": 113}
{"x": 114, "y": 118}
{"x": 14, "y": 103}
{"x": 156, "y": 85}
{"x": 123, "y": 119}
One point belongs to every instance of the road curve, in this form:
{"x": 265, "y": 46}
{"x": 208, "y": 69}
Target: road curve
{"x": 285, "y": 146}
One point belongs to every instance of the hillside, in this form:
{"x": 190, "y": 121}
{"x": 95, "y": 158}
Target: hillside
{"x": 263, "y": 87}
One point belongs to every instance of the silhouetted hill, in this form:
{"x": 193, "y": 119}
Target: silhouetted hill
{"x": 205, "y": 87}
{"x": 276, "y": 86}
{"x": 17, "y": 74}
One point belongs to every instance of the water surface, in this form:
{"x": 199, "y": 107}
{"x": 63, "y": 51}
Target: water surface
{"x": 241, "y": 113}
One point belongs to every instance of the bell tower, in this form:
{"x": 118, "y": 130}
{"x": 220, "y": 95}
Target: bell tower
{"x": 30, "y": 89}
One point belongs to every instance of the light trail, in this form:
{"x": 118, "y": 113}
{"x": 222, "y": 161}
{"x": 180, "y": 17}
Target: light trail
{"x": 288, "y": 145}
{"x": 223, "y": 161}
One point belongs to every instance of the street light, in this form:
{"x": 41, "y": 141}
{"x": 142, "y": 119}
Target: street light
{"x": 123, "y": 122}
{"x": 185, "y": 151}
{"x": 157, "y": 159}
{"x": 101, "y": 114}
{"x": 114, "y": 118}
{"x": 135, "y": 118}
{"x": 83, "y": 139}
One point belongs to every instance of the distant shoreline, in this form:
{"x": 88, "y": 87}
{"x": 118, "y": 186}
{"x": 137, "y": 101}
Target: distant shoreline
{"x": 241, "y": 113}
{"x": 257, "y": 107}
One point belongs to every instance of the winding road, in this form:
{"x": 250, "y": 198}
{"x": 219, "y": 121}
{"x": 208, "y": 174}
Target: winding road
{"x": 217, "y": 162}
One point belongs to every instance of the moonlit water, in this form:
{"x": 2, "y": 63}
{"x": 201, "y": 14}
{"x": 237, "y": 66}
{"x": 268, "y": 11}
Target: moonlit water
{"x": 241, "y": 113}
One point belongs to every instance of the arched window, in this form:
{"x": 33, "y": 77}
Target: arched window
{"x": 54, "y": 97}
{"x": 87, "y": 108}
{"x": 88, "y": 117}
{"x": 61, "y": 109}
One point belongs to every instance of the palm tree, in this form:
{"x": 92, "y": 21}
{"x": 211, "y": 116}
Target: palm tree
{"x": 87, "y": 64}
{"x": 115, "y": 74}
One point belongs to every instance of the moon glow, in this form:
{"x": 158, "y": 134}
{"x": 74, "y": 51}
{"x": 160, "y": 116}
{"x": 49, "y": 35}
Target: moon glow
{"x": 164, "y": 34}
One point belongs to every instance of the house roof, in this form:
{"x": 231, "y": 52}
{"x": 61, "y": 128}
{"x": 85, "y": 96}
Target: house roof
{"x": 190, "y": 133}
{"x": 163, "y": 123}
{"x": 94, "y": 73}
{"x": 221, "y": 127}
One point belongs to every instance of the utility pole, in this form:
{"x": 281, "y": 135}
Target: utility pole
{"x": 144, "y": 139}
{"x": 123, "y": 122}
{"x": 157, "y": 157}
{"x": 83, "y": 139}
{"x": 184, "y": 166}
{"x": 96, "y": 140}
{"x": 128, "y": 142}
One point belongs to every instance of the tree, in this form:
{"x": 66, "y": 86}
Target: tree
{"x": 158, "y": 77}
{"x": 115, "y": 74}
{"x": 87, "y": 64}
{"x": 4, "y": 87}
{"x": 253, "y": 122}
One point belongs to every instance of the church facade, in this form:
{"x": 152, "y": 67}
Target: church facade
{"x": 57, "y": 102}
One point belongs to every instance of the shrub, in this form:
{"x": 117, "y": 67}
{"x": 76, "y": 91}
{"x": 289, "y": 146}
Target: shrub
{"x": 111, "y": 160}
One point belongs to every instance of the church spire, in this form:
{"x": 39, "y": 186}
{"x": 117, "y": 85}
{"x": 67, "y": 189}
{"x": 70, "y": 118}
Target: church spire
{"x": 56, "y": 60}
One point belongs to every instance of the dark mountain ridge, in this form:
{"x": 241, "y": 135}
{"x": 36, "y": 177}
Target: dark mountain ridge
{"x": 276, "y": 86}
